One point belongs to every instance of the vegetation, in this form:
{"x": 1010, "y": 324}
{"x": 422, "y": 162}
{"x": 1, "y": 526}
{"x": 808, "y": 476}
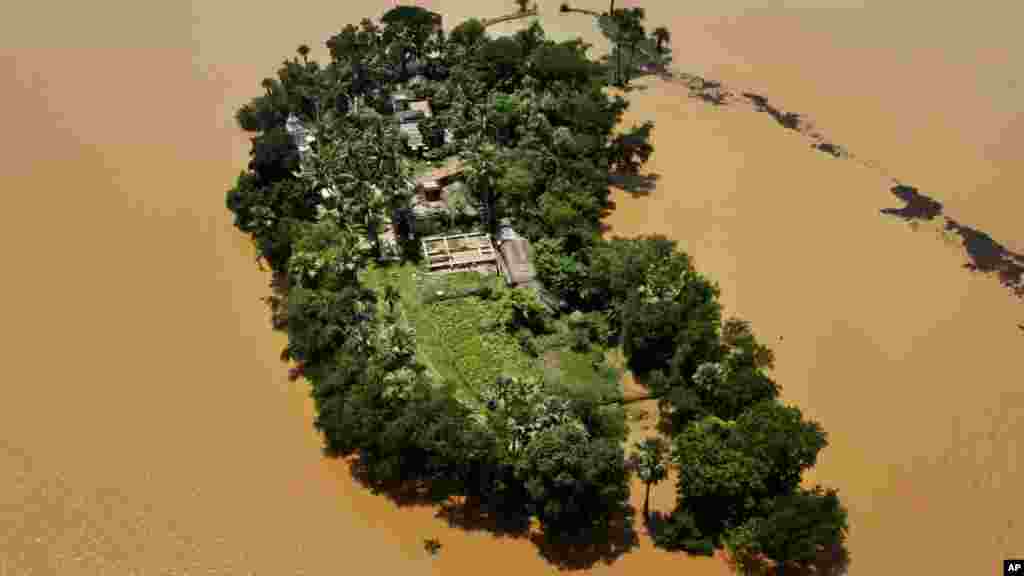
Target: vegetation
{"x": 459, "y": 385}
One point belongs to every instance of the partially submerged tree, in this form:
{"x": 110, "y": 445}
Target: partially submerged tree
{"x": 796, "y": 530}
{"x": 648, "y": 461}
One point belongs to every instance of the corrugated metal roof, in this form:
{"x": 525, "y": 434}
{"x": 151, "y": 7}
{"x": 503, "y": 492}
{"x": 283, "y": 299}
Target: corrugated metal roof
{"x": 518, "y": 267}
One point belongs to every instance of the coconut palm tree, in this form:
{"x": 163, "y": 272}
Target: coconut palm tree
{"x": 649, "y": 463}
{"x": 482, "y": 173}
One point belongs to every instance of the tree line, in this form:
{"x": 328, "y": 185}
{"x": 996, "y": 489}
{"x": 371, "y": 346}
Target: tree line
{"x": 537, "y": 132}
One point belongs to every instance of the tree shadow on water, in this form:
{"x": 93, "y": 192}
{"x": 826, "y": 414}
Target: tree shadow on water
{"x": 471, "y": 515}
{"x": 831, "y": 561}
{"x": 403, "y": 494}
{"x": 635, "y": 184}
{"x": 604, "y": 546}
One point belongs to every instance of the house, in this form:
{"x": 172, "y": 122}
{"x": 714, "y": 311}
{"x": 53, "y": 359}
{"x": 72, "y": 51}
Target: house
{"x": 408, "y": 114}
{"x": 516, "y": 264}
{"x": 430, "y": 186}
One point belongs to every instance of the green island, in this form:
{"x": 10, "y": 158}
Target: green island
{"x": 430, "y": 205}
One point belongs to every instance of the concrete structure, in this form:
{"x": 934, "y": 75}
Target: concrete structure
{"x": 459, "y": 252}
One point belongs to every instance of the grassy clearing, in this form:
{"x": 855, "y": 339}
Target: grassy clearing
{"x": 456, "y": 342}
{"x": 453, "y": 338}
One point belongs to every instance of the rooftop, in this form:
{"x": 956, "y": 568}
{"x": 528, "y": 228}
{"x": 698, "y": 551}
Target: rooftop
{"x": 517, "y": 266}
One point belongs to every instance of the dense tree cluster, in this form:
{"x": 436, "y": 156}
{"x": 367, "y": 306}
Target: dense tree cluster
{"x": 531, "y": 121}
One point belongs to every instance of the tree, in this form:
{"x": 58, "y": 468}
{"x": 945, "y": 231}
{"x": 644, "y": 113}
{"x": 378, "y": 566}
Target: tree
{"x": 325, "y": 255}
{"x": 649, "y": 463}
{"x": 634, "y": 34}
{"x": 672, "y": 319}
{"x": 719, "y": 485}
{"x": 414, "y": 24}
{"x": 575, "y": 483}
{"x": 779, "y": 437}
{"x": 797, "y": 527}
{"x": 662, "y": 36}
{"x": 483, "y": 169}
{"x": 274, "y": 156}
{"x": 320, "y": 322}
{"x": 303, "y": 51}
{"x": 628, "y": 150}
{"x": 523, "y": 5}
{"x": 468, "y": 33}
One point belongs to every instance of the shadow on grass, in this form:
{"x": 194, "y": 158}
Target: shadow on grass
{"x": 636, "y": 184}
{"x": 604, "y": 546}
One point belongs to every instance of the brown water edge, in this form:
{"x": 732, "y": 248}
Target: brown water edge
{"x": 985, "y": 254}
{"x": 906, "y": 360}
{"x": 146, "y": 424}
{"x": 149, "y": 427}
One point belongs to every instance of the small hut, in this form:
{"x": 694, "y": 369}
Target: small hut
{"x": 516, "y": 258}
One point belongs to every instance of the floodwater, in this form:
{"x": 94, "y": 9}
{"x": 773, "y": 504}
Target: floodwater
{"x": 147, "y": 427}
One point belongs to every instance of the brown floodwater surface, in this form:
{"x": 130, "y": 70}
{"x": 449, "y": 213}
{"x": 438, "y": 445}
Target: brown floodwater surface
{"x": 147, "y": 427}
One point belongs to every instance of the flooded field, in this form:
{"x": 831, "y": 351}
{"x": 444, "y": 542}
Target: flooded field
{"x": 146, "y": 426}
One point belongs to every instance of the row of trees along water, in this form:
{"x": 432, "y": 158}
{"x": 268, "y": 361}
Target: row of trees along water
{"x": 534, "y": 124}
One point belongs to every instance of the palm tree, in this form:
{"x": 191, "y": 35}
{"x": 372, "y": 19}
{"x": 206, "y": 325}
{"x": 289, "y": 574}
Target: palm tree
{"x": 649, "y": 463}
{"x": 662, "y": 36}
{"x": 304, "y": 52}
{"x": 482, "y": 171}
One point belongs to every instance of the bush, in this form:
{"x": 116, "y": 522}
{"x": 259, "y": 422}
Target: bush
{"x": 680, "y": 532}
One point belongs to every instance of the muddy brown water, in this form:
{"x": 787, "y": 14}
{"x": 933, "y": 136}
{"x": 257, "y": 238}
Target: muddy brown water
{"x": 147, "y": 427}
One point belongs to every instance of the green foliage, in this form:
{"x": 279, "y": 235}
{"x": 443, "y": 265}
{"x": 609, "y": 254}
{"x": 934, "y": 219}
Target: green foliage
{"x": 468, "y": 33}
{"x": 325, "y": 254}
{"x": 564, "y": 62}
{"x": 797, "y": 527}
{"x": 321, "y": 321}
{"x": 631, "y": 149}
{"x": 672, "y": 318}
{"x": 720, "y": 484}
{"x": 575, "y": 483}
{"x": 648, "y": 461}
{"x": 734, "y": 471}
{"x": 779, "y": 437}
{"x": 521, "y": 309}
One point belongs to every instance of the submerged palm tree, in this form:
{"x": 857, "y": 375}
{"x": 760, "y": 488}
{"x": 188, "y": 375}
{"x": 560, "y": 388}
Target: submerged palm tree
{"x": 649, "y": 463}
